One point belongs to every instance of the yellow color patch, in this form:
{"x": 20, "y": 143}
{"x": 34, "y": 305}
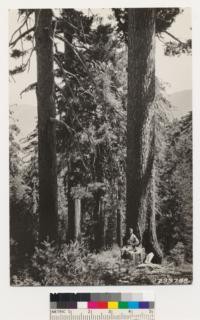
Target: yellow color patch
{"x": 112, "y": 305}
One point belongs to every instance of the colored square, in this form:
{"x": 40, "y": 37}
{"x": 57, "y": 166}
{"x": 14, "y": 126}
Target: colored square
{"x": 123, "y": 305}
{"x": 133, "y": 305}
{"x": 70, "y": 305}
{"x": 105, "y": 297}
{"x": 112, "y": 305}
{"x": 83, "y": 297}
{"x": 53, "y": 297}
{"x": 92, "y": 305}
{"x": 82, "y": 305}
{"x": 66, "y": 297}
{"x": 102, "y": 305}
{"x": 151, "y": 305}
{"x": 60, "y": 305}
{"x": 137, "y": 296}
{"x": 147, "y": 296}
{"x": 53, "y": 305}
{"x": 96, "y": 296}
{"x": 144, "y": 305}
{"x": 114, "y": 296}
{"x": 125, "y": 296}
{"x": 102, "y": 297}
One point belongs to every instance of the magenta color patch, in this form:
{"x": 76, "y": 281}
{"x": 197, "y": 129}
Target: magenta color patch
{"x": 92, "y": 305}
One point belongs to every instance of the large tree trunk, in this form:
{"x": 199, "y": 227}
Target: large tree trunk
{"x": 74, "y": 211}
{"x": 98, "y": 214}
{"x": 119, "y": 227}
{"x": 77, "y": 219}
{"x": 140, "y": 126}
{"x": 71, "y": 179}
{"x": 48, "y": 218}
{"x": 99, "y": 220}
{"x": 119, "y": 215}
{"x": 71, "y": 209}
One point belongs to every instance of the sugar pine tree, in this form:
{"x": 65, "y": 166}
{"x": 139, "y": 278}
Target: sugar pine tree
{"x": 140, "y": 125}
{"x": 143, "y": 24}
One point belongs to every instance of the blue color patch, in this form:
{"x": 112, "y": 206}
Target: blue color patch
{"x": 143, "y": 305}
{"x": 133, "y": 305}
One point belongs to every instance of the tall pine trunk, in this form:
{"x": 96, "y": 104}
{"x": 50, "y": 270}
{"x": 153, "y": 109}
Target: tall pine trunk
{"x": 119, "y": 215}
{"x": 140, "y": 127}
{"x": 48, "y": 217}
{"x": 70, "y": 209}
{"x": 77, "y": 219}
{"x": 119, "y": 227}
{"x": 98, "y": 213}
{"x": 68, "y": 32}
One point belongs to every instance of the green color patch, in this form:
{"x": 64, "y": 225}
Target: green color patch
{"x": 123, "y": 305}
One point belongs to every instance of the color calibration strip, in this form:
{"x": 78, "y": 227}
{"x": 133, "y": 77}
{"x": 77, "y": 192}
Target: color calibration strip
{"x": 102, "y": 306}
{"x": 101, "y": 301}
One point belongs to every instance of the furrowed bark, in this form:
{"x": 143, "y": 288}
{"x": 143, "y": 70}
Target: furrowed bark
{"x": 48, "y": 208}
{"x": 140, "y": 124}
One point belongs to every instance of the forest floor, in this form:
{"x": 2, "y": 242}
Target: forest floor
{"x": 152, "y": 274}
{"x": 71, "y": 265}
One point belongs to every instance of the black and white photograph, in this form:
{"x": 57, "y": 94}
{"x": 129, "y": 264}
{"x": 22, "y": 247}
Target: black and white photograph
{"x": 100, "y": 146}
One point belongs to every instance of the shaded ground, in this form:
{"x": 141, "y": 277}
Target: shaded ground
{"x": 150, "y": 274}
{"x": 73, "y": 265}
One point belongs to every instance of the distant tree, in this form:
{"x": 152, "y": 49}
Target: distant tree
{"x": 91, "y": 106}
{"x": 175, "y": 187}
{"x": 21, "y": 218}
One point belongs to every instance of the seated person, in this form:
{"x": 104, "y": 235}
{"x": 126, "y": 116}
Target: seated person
{"x": 133, "y": 240}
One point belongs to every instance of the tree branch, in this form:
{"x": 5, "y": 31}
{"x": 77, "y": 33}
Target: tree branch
{"x": 63, "y": 124}
{"x": 59, "y": 63}
{"x": 20, "y": 27}
{"x": 30, "y": 87}
{"x": 14, "y": 42}
{"x": 173, "y": 37}
{"x": 29, "y": 59}
{"x": 74, "y": 50}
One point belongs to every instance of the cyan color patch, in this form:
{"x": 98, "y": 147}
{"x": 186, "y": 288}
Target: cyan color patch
{"x": 133, "y": 305}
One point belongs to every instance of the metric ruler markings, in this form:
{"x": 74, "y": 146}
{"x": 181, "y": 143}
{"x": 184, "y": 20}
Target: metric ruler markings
{"x": 113, "y": 315}
{"x": 102, "y": 306}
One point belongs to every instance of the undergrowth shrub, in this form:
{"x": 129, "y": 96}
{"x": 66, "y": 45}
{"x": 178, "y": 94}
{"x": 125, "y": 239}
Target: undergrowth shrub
{"x": 177, "y": 254}
{"x": 69, "y": 265}
{"x": 72, "y": 264}
{"x": 64, "y": 265}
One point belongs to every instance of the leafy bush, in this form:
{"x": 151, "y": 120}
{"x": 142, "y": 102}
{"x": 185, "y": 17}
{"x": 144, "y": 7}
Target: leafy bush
{"x": 64, "y": 265}
{"x": 177, "y": 254}
{"x": 24, "y": 279}
{"x": 70, "y": 265}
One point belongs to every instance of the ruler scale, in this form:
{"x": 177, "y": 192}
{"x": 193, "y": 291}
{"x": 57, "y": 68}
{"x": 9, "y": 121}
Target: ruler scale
{"x": 102, "y": 306}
